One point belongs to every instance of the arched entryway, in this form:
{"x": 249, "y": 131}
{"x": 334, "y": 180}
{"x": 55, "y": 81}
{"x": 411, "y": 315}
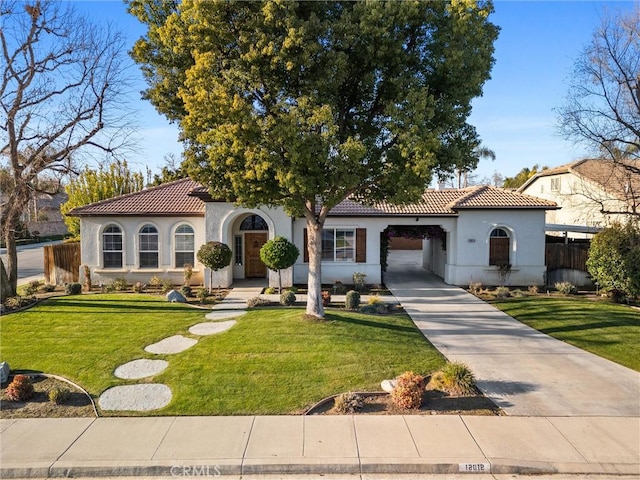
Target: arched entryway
{"x": 251, "y": 232}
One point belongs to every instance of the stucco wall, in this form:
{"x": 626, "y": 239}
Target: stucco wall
{"x": 91, "y": 229}
{"x": 527, "y": 240}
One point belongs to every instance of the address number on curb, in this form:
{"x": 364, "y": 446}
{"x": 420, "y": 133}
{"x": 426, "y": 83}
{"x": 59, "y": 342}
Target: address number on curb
{"x": 474, "y": 467}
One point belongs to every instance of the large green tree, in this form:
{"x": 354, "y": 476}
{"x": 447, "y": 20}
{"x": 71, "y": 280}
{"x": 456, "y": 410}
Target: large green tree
{"x": 302, "y": 104}
{"x": 614, "y": 259}
{"x": 94, "y": 185}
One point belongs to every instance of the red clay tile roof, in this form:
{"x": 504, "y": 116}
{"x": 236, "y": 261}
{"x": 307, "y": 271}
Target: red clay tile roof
{"x": 186, "y": 197}
{"x": 168, "y": 199}
{"x": 447, "y": 202}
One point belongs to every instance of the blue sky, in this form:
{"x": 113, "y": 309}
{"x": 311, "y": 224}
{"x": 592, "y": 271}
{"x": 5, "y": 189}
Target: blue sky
{"x": 538, "y": 43}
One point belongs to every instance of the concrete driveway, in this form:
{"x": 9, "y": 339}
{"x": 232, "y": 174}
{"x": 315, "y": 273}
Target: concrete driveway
{"x": 523, "y": 371}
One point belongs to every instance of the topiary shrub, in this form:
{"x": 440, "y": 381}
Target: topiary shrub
{"x": 407, "y": 394}
{"x": 566, "y": 288}
{"x": 348, "y": 403}
{"x": 20, "y": 389}
{"x": 73, "y": 288}
{"x": 269, "y": 291}
{"x": 352, "y": 300}
{"x": 455, "y": 378}
{"x": 59, "y": 395}
{"x": 287, "y": 298}
{"x": 358, "y": 281}
{"x": 257, "y": 302}
{"x": 326, "y": 298}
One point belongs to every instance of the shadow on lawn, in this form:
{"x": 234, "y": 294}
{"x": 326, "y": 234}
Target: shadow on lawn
{"x": 369, "y": 323}
{"x": 146, "y": 305}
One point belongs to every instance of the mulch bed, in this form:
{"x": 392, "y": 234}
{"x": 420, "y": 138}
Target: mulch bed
{"x": 39, "y": 406}
{"x": 434, "y": 402}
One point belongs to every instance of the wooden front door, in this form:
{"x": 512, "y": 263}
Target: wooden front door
{"x": 254, "y": 268}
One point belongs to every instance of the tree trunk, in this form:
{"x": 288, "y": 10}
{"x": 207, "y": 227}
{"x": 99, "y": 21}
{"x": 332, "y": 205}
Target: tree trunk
{"x": 314, "y": 287}
{"x": 5, "y": 290}
{"x": 11, "y": 271}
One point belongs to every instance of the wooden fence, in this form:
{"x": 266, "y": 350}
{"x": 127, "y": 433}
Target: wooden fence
{"x": 571, "y": 256}
{"x": 62, "y": 263}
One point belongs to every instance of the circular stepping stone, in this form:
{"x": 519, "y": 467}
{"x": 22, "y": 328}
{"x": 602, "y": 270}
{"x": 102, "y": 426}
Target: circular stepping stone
{"x": 211, "y": 328}
{"x": 224, "y": 314}
{"x": 175, "y": 344}
{"x": 139, "y": 398}
{"x": 140, "y": 369}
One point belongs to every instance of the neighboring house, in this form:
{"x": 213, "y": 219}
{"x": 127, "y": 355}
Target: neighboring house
{"x": 157, "y": 230}
{"x": 43, "y": 214}
{"x": 592, "y": 193}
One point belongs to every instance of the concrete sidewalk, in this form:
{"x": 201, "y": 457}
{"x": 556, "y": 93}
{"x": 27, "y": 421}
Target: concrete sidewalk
{"x": 523, "y": 371}
{"x": 212, "y": 446}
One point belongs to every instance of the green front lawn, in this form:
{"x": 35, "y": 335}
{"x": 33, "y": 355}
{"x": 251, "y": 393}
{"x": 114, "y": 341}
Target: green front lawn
{"x": 272, "y": 362}
{"x": 609, "y": 330}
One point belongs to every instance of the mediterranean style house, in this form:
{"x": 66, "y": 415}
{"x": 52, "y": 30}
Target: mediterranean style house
{"x": 471, "y": 231}
{"x": 592, "y": 193}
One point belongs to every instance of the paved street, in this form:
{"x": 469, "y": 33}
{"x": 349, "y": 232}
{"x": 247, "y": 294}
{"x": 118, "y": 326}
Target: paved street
{"x": 30, "y": 261}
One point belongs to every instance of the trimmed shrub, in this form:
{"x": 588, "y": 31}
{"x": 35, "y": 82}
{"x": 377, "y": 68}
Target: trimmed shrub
{"x": 326, "y": 298}
{"x": 32, "y": 287}
{"x": 475, "y": 287}
{"x": 120, "y": 284}
{"x": 339, "y": 288}
{"x": 17, "y": 302}
{"x": 138, "y": 287}
{"x": 566, "y": 288}
{"x": 347, "y": 403}
{"x": 369, "y": 309}
{"x": 287, "y": 298}
{"x": 186, "y": 290}
{"x": 503, "y": 292}
{"x": 352, "y": 301}
{"x": 455, "y": 378}
{"x": 292, "y": 289}
{"x": 59, "y": 395}
{"x": 20, "y": 389}
{"x": 407, "y": 394}
{"x": 358, "y": 281}
{"x": 533, "y": 290}
{"x": 257, "y": 302}
{"x": 202, "y": 294}
{"x": 269, "y": 291}
{"x": 73, "y": 288}
{"x": 167, "y": 285}
{"x": 155, "y": 281}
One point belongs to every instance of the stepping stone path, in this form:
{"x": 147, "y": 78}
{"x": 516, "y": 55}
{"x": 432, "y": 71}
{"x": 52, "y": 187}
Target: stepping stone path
{"x": 140, "y": 369}
{"x": 140, "y": 398}
{"x": 211, "y": 328}
{"x": 152, "y": 396}
{"x": 175, "y": 344}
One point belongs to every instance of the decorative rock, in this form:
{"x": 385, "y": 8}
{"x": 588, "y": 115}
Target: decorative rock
{"x": 224, "y": 314}
{"x": 388, "y": 385}
{"x": 175, "y": 296}
{"x": 4, "y": 372}
{"x": 140, "y": 369}
{"x": 211, "y": 328}
{"x": 175, "y": 344}
{"x": 139, "y": 398}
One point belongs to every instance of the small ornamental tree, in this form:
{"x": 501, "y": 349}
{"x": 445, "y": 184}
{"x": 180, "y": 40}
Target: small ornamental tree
{"x": 278, "y": 254}
{"x": 614, "y": 260}
{"x": 214, "y": 256}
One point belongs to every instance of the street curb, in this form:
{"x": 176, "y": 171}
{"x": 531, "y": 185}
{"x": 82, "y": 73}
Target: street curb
{"x": 283, "y": 466}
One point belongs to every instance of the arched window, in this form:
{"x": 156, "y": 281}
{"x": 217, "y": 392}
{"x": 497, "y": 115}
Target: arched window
{"x": 254, "y": 222}
{"x": 148, "y": 246}
{"x": 112, "y": 247}
{"x": 499, "y": 247}
{"x": 183, "y": 239}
